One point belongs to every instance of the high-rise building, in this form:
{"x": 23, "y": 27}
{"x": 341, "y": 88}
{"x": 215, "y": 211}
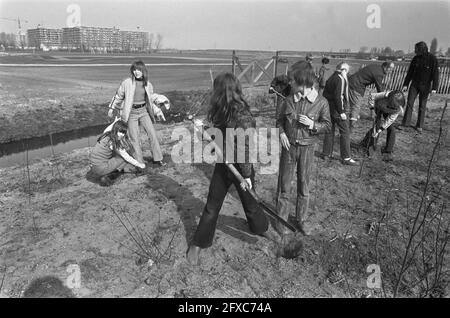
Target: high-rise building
{"x": 43, "y": 38}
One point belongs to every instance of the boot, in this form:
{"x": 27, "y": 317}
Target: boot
{"x": 192, "y": 254}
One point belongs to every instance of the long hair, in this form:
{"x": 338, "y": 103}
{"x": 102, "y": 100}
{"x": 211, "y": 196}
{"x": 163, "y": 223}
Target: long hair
{"x": 302, "y": 73}
{"x": 421, "y": 48}
{"x": 396, "y": 99}
{"x": 139, "y": 65}
{"x": 227, "y": 100}
{"x": 122, "y": 127}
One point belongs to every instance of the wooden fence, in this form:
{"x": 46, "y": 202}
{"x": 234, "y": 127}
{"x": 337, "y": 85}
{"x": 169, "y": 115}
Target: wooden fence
{"x": 395, "y": 79}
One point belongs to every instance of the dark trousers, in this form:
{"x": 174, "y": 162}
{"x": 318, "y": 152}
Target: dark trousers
{"x": 344, "y": 139}
{"x": 220, "y": 182}
{"x": 423, "y": 97}
{"x": 371, "y": 143}
{"x": 300, "y": 157}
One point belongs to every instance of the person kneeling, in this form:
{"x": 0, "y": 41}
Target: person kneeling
{"x": 388, "y": 105}
{"x": 110, "y": 156}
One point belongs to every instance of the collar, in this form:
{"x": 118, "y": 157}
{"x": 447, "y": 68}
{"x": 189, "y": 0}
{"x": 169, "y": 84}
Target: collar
{"x": 311, "y": 97}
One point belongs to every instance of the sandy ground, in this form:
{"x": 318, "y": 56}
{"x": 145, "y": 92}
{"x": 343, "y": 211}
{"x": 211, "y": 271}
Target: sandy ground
{"x": 52, "y": 217}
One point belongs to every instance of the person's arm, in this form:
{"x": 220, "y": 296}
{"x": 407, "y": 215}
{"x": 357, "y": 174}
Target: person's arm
{"x": 323, "y": 123}
{"x": 385, "y": 123}
{"x": 281, "y": 116}
{"x": 153, "y": 108}
{"x": 245, "y": 123}
{"x": 116, "y": 102}
{"x": 410, "y": 72}
{"x": 129, "y": 159}
{"x": 338, "y": 98}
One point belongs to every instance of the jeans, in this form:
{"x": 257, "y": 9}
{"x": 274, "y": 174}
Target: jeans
{"x": 423, "y": 97}
{"x": 355, "y": 101}
{"x": 220, "y": 182}
{"x": 300, "y": 157}
{"x": 140, "y": 117}
{"x": 344, "y": 138}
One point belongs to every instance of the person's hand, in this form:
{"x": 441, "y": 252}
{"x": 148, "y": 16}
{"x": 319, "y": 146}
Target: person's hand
{"x": 141, "y": 165}
{"x": 160, "y": 116}
{"x": 306, "y": 121}
{"x": 375, "y": 133}
{"x": 343, "y": 116}
{"x": 247, "y": 184}
{"x": 285, "y": 141}
{"x": 433, "y": 91}
{"x": 111, "y": 113}
{"x": 405, "y": 88}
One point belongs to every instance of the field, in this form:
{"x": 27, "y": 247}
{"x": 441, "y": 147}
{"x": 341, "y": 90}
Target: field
{"x": 53, "y": 217}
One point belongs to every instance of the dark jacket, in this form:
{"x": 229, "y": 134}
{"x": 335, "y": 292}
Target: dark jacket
{"x": 324, "y": 74}
{"x": 244, "y": 120}
{"x": 317, "y": 110}
{"x": 371, "y": 74}
{"x": 336, "y": 94}
{"x": 422, "y": 71}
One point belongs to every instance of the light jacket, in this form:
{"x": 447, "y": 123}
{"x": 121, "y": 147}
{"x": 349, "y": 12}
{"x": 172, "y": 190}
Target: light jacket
{"x": 384, "y": 119}
{"x": 123, "y": 99}
{"x": 315, "y": 107}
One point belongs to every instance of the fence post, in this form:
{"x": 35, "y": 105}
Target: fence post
{"x": 233, "y": 63}
{"x": 275, "y": 69}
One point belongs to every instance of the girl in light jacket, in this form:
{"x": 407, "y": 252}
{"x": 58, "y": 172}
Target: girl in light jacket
{"x": 134, "y": 100}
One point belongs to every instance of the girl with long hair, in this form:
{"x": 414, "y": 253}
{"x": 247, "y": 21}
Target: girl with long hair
{"x": 229, "y": 110}
{"x": 133, "y": 99}
{"x": 111, "y": 155}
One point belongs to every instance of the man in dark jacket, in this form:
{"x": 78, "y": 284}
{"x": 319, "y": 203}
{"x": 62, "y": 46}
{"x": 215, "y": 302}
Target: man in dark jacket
{"x": 324, "y": 74}
{"x": 302, "y": 116}
{"x": 371, "y": 74}
{"x": 336, "y": 93}
{"x": 422, "y": 71}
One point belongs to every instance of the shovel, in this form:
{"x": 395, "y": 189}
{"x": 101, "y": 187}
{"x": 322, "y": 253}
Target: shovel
{"x": 291, "y": 246}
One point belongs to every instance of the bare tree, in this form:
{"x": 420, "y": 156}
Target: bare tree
{"x": 158, "y": 42}
{"x": 363, "y": 49}
{"x": 433, "y": 46}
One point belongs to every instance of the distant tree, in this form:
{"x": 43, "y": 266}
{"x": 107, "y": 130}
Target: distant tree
{"x": 399, "y": 53}
{"x": 433, "y": 46}
{"x": 363, "y": 49}
{"x": 448, "y": 52}
{"x": 388, "y": 50}
{"x": 158, "y": 41}
{"x": 151, "y": 41}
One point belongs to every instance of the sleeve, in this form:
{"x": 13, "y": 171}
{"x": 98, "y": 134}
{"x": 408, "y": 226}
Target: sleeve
{"x": 245, "y": 123}
{"x": 410, "y": 72}
{"x": 385, "y": 123}
{"x": 281, "y": 116}
{"x": 323, "y": 124}
{"x": 373, "y": 97}
{"x": 338, "y": 98}
{"x": 127, "y": 157}
{"x": 379, "y": 81}
{"x": 116, "y": 102}
{"x": 435, "y": 74}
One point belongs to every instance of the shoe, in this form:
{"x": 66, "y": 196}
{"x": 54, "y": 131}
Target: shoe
{"x": 304, "y": 228}
{"x": 139, "y": 172}
{"x": 349, "y": 162}
{"x": 388, "y": 157}
{"x": 272, "y": 235}
{"x": 325, "y": 157}
{"x": 192, "y": 254}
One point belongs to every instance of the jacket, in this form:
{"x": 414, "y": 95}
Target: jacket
{"x": 324, "y": 75}
{"x": 315, "y": 107}
{"x": 244, "y": 120}
{"x": 371, "y": 74}
{"x": 386, "y": 114}
{"x": 423, "y": 71}
{"x": 336, "y": 93}
{"x": 123, "y": 99}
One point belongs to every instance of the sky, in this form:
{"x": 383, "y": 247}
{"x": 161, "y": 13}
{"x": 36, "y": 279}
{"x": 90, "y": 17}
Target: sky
{"x": 299, "y": 25}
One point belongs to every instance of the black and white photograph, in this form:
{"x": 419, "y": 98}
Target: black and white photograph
{"x": 227, "y": 156}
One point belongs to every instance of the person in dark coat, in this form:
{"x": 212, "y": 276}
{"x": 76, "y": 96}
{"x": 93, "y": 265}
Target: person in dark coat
{"x": 423, "y": 74}
{"x": 371, "y": 74}
{"x": 323, "y": 74}
{"x": 336, "y": 93}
